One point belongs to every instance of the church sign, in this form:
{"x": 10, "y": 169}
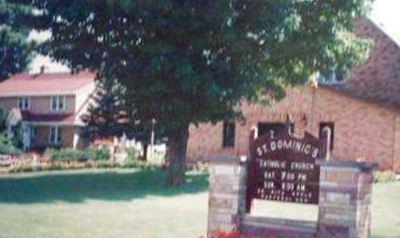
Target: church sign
{"x": 283, "y": 168}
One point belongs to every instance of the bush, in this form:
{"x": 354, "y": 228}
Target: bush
{"x": 7, "y": 147}
{"x": 133, "y": 154}
{"x": 79, "y": 155}
{"x": 98, "y": 153}
{"x": 9, "y": 150}
{"x": 384, "y": 176}
{"x": 133, "y": 159}
{"x": 68, "y": 155}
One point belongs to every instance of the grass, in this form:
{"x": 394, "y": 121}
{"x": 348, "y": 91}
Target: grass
{"x": 103, "y": 203}
{"x": 386, "y": 210}
{"x": 130, "y": 203}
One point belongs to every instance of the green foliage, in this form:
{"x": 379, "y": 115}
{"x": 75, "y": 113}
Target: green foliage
{"x": 15, "y": 50}
{"x": 193, "y": 61}
{"x": 100, "y": 154}
{"x": 17, "y": 140}
{"x": 108, "y": 115}
{"x": 7, "y": 147}
{"x": 189, "y": 62}
{"x": 133, "y": 159}
{"x": 67, "y": 155}
{"x": 3, "y": 117}
{"x": 133, "y": 154}
{"x": 79, "y": 155}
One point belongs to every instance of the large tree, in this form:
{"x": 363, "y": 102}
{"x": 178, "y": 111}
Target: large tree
{"x": 193, "y": 61}
{"x": 108, "y": 113}
{"x": 15, "y": 49}
{"x": 111, "y": 114}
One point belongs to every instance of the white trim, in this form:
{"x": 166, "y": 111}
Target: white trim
{"x": 58, "y": 99}
{"x": 86, "y": 87}
{"x": 22, "y": 100}
{"x": 76, "y": 138}
{"x": 57, "y": 135}
{"x": 64, "y": 103}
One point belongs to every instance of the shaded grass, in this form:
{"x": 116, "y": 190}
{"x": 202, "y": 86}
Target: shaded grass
{"x": 77, "y": 186}
{"x": 123, "y": 203}
{"x": 130, "y": 203}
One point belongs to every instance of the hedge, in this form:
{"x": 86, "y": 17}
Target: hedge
{"x": 79, "y": 155}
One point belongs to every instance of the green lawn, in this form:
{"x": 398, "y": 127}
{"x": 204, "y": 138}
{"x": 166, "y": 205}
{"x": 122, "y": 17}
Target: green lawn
{"x": 100, "y": 204}
{"x": 129, "y": 203}
{"x": 386, "y": 210}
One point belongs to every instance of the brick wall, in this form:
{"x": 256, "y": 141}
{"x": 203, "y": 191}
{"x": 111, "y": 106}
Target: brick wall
{"x": 344, "y": 203}
{"x": 362, "y": 129}
{"x": 207, "y": 138}
{"x": 364, "y": 110}
{"x": 345, "y": 200}
{"x": 227, "y": 194}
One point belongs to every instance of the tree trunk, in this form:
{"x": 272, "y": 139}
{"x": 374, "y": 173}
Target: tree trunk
{"x": 177, "y": 146}
{"x": 145, "y": 147}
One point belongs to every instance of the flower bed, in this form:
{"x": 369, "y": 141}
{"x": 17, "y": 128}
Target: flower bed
{"x": 67, "y": 159}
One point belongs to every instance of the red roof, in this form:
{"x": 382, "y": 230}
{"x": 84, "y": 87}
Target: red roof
{"x": 377, "y": 79}
{"x": 45, "y": 84}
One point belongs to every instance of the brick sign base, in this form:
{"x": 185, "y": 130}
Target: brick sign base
{"x": 344, "y": 203}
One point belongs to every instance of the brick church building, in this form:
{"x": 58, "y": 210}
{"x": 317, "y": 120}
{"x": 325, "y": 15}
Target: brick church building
{"x": 362, "y": 111}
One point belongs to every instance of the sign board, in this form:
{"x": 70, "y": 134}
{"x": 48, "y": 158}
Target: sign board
{"x": 284, "y": 168}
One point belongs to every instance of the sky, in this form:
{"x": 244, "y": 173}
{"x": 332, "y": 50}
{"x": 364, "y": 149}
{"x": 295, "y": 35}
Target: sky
{"x": 385, "y": 13}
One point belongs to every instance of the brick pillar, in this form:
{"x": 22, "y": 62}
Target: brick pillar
{"x": 345, "y": 200}
{"x": 227, "y": 193}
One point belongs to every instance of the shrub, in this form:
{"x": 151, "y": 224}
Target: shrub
{"x": 7, "y": 147}
{"x": 98, "y": 153}
{"x": 133, "y": 154}
{"x": 105, "y": 164}
{"x": 133, "y": 159}
{"x": 79, "y": 155}
{"x": 68, "y": 155}
{"x": 9, "y": 150}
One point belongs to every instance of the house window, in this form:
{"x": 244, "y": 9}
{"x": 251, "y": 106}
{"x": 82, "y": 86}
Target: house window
{"x": 331, "y": 126}
{"x": 24, "y": 103}
{"x": 58, "y": 103}
{"x": 55, "y": 135}
{"x": 228, "y": 133}
{"x": 273, "y": 128}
